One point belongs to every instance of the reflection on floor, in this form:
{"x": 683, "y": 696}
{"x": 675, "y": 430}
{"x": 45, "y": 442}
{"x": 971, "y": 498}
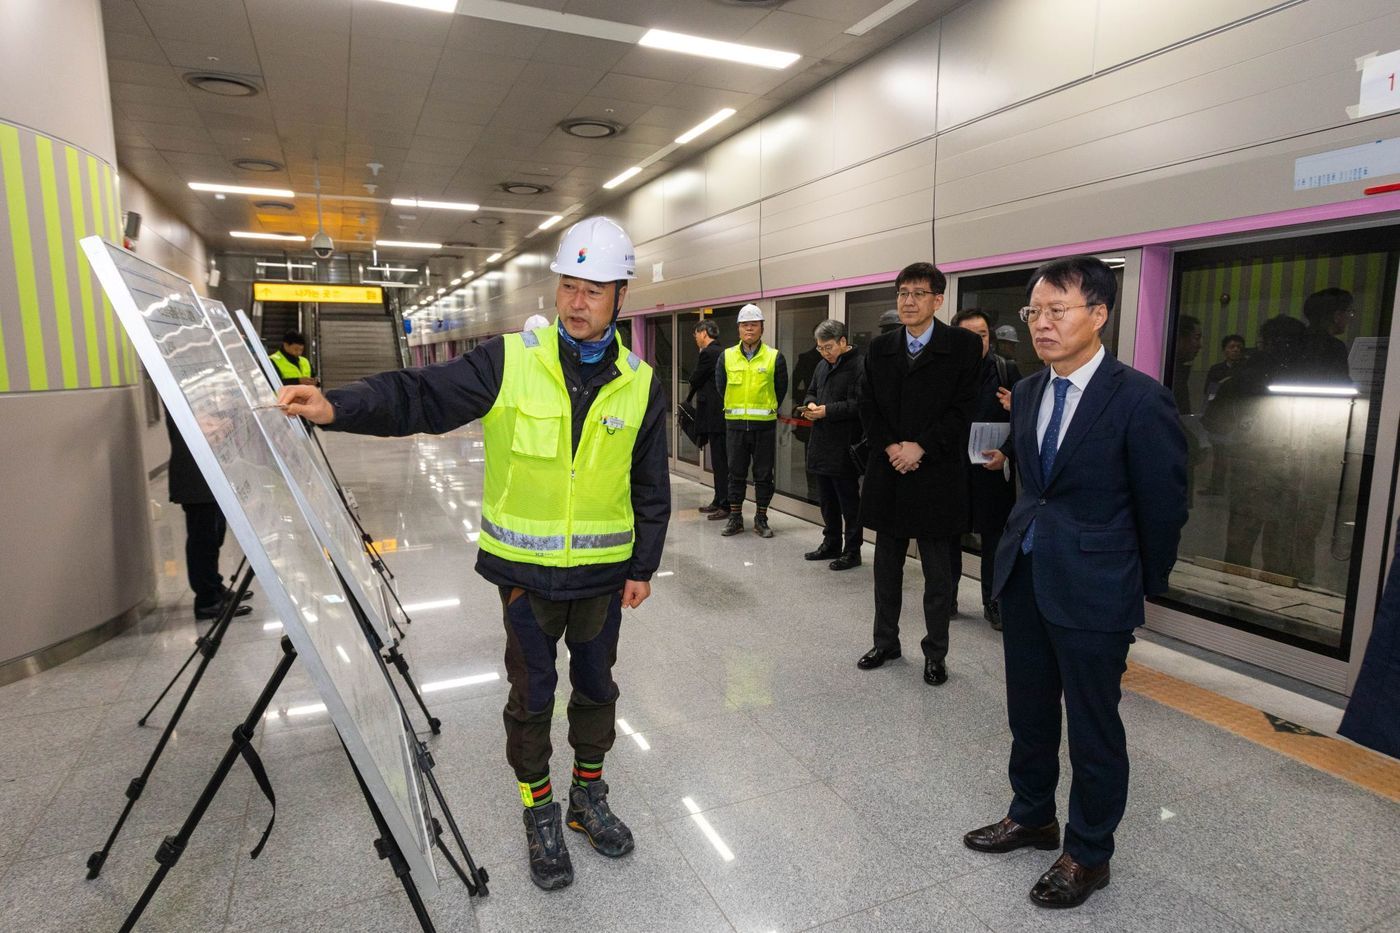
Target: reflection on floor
{"x": 1281, "y": 606}
{"x": 841, "y": 795}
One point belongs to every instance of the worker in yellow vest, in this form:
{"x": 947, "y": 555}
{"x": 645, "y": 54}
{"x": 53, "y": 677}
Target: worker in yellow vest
{"x": 576, "y": 500}
{"x": 753, "y": 381}
{"x": 291, "y": 362}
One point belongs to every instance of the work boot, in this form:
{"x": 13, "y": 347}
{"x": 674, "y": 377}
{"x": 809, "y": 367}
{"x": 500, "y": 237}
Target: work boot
{"x": 589, "y": 814}
{"x": 846, "y": 561}
{"x": 550, "y": 867}
{"x": 736, "y": 524}
{"x": 760, "y": 526}
{"x": 992, "y": 613}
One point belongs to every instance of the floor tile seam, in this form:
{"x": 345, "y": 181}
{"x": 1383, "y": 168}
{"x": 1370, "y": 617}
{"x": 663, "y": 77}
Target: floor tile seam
{"x": 899, "y": 897}
{"x": 695, "y": 872}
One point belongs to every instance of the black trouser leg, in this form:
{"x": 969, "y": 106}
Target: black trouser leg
{"x": 848, "y": 495}
{"x": 1032, "y": 701}
{"x": 955, "y": 557}
{"x": 204, "y": 535}
{"x": 765, "y": 457}
{"x": 592, "y": 653}
{"x": 719, "y": 458}
{"x": 830, "y": 502}
{"x": 990, "y": 540}
{"x": 740, "y": 445}
{"x": 938, "y": 596}
{"x": 889, "y": 588}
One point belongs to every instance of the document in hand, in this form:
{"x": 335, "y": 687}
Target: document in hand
{"x": 986, "y": 435}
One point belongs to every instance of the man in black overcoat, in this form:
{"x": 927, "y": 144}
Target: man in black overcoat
{"x": 709, "y": 414}
{"x": 919, "y": 386}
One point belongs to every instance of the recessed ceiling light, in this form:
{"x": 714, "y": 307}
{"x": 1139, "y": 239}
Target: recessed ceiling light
{"x": 242, "y": 189}
{"x": 709, "y": 124}
{"x": 287, "y": 265}
{"x": 251, "y": 235}
{"x": 551, "y": 221}
{"x": 523, "y": 187}
{"x": 280, "y": 206}
{"x": 879, "y": 16}
{"x": 223, "y": 85}
{"x": 623, "y": 177}
{"x": 220, "y": 197}
{"x": 437, "y": 205}
{"x": 590, "y": 128}
{"x": 457, "y": 280}
{"x": 713, "y": 48}
{"x": 493, "y": 257}
{"x": 392, "y": 269}
{"x": 408, "y": 244}
{"x": 257, "y": 165}
{"x": 441, "y": 6}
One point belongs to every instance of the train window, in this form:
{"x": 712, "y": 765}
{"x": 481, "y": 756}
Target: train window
{"x": 863, "y": 310}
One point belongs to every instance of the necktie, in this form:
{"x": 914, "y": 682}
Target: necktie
{"x": 1049, "y": 446}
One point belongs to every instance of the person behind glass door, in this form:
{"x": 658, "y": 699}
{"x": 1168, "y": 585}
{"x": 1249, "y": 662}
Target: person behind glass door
{"x": 1102, "y": 461}
{"x": 832, "y": 404}
{"x": 709, "y": 414}
{"x": 1232, "y": 348}
{"x": 990, "y": 492}
{"x": 752, "y": 378}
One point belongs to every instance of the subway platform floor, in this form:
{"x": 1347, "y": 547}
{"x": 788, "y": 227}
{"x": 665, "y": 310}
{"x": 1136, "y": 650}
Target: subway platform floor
{"x": 769, "y": 783}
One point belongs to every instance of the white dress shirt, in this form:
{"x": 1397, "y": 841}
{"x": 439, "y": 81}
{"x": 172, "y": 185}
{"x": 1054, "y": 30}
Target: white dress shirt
{"x": 1078, "y": 380}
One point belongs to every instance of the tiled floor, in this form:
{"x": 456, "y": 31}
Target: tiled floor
{"x": 840, "y": 794}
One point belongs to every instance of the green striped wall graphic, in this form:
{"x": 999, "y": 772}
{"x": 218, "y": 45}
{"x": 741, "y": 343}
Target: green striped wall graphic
{"x": 57, "y": 329}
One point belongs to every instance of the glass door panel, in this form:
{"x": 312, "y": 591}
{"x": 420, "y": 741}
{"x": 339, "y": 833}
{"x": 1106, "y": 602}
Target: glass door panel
{"x": 797, "y": 318}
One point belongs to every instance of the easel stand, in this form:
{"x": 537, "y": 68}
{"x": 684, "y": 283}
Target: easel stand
{"x": 387, "y": 848}
{"x": 392, "y": 655}
{"x": 206, "y": 646}
{"x": 174, "y": 846}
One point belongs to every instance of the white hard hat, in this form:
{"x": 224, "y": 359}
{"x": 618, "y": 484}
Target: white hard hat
{"x": 536, "y": 321}
{"x": 750, "y": 312}
{"x": 596, "y": 249}
{"x": 1008, "y": 333}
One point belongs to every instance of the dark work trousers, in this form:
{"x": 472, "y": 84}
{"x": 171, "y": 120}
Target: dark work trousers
{"x": 1043, "y": 663}
{"x": 759, "y": 446}
{"x": 719, "y": 459}
{"x": 839, "y": 497}
{"x": 204, "y": 535}
{"x": 990, "y": 540}
{"x": 890, "y": 553}
{"x": 590, "y": 628}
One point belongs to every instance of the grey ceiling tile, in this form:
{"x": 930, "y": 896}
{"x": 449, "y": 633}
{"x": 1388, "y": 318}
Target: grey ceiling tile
{"x": 224, "y": 55}
{"x": 135, "y": 47}
{"x": 675, "y": 120}
{"x": 729, "y": 77}
{"x": 458, "y": 66}
{"x": 569, "y": 48}
{"x": 370, "y": 51}
{"x": 633, "y": 88}
{"x": 705, "y": 99}
{"x": 562, "y": 77}
{"x": 171, "y": 114}
{"x": 655, "y": 64}
{"x": 145, "y": 74}
{"x": 789, "y": 33}
{"x": 714, "y": 20}
{"x": 481, "y": 35}
{"x": 122, "y": 16}
{"x": 401, "y": 23}
{"x": 177, "y": 19}
{"x": 609, "y": 108}
{"x": 137, "y": 94}
{"x": 845, "y": 13}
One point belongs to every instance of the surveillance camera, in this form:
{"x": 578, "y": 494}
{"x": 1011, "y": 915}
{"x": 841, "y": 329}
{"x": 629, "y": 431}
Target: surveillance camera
{"x": 322, "y": 245}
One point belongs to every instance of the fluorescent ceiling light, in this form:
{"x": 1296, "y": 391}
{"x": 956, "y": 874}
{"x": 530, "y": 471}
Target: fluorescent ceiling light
{"x": 392, "y": 268}
{"x": 1303, "y": 389}
{"x": 713, "y": 48}
{"x": 709, "y": 124}
{"x": 879, "y": 16}
{"x": 467, "y": 273}
{"x": 457, "y": 280}
{"x": 249, "y": 235}
{"x": 287, "y": 265}
{"x": 390, "y": 284}
{"x": 493, "y": 257}
{"x": 408, "y": 244}
{"x": 438, "y": 205}
{"x": 551, "y": 221}
{"x": 242, "y": 189}
{"x": 440, "y": 6}
{"x": 623, "y": 177}
{"x": 442, "y": 291}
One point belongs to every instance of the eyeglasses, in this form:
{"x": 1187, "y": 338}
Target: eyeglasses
{"x": 1056, "y": 312}
{"x": 918, "y": 294}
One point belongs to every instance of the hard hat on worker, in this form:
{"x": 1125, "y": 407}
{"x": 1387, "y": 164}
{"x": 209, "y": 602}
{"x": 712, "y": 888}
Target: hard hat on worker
{"x": 596, "y": 249}
{"x": 749, "y": 313}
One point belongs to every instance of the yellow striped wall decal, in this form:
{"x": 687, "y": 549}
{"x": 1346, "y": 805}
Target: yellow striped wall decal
{"x": 75, "y": 192}
{"x": 58, "y": 265}
{"x": 109, "y": 316}
{"x": 12, "y": 167}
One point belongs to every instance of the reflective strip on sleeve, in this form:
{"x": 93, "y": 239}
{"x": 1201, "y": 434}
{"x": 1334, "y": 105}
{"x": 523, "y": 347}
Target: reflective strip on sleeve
{"x": 530, "y": 339}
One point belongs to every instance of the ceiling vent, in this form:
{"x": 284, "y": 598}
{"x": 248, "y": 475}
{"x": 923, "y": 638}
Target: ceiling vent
{"x": 285, "y": 207}
{"x": 523, "y": 187}
{"x": 488, "y": 221}
{"x": 222, "y": 85}
{"x": 590, "y": 128}
{"x": 257, "y": 165}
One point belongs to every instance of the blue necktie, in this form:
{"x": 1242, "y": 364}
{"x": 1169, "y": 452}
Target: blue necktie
{"x": 1049, "y": 446}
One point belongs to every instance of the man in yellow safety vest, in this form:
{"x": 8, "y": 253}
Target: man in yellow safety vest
{"x": 575, "y": 506}
{"x": 753, "y": 381}
{"x": 291, "y": 362}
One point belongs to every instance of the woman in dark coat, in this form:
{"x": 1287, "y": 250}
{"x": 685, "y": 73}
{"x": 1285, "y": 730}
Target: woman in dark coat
{"x": 832, "y": 404}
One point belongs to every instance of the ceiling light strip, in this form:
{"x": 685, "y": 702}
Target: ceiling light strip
{"x": 408, "y": 244}
{"x": 879, "y": 16}
{"x": 241, "y": 189}
{"x": 714, "y": 48}
{"x": 253, "y": 235}
{"x": 706, "y": 126}
{"x": 630, "y": 173}
{"x": 435, "y": 205}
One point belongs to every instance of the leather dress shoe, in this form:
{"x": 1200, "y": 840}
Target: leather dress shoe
{"x": 846, "y": 561}
{"x": 934, "y": 672}
{"x": 875, "y": 657}
{"x": 719, "y": 514}
{"x": 825, "y": 552}
{"x": 205, "y": 613}
{"x": 1068, "y": 883}
{"x": 707, "y": 509}
{"x": 1007, "y": 835}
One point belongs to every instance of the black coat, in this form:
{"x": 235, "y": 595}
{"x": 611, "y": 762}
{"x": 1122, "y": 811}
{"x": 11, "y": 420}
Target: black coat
{"x": 838, "y": 388}
{"x": 187, "y": 484}
{"x": 709, "y": 407}
{"x": 990, "y": 493}
{"x": 930, "y": 402}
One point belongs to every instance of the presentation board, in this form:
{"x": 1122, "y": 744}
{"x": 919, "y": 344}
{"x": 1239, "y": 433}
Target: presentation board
{"x": 230, "y": 442}
{"x": 253, "y": 345}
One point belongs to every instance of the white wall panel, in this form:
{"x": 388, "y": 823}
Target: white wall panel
{"x": 711, "y": 259}
{"x": 731, "y": 172}
{"x": 997, "y": 52}
{"x": 887, "y": 102}
{"x": 1127, "y": 29}
{"x": 684, "y": 196}
{"x": 799, "y": 142}
{"x": 644, "y": 212}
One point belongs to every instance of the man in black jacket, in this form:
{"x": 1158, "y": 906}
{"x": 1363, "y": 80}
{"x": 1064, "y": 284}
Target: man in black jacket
{"x": 918, "y": 388}
{"x": 709, "y": 414}
{"x": 550, "y": 585}
{"x": 832, "y": 405}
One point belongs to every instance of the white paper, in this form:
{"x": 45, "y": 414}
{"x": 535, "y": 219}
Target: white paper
{"x": 986, "y": 435}
{"x": 1380, "y": 85}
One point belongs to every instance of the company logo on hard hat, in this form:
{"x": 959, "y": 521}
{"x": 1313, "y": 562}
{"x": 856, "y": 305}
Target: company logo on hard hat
{"x": 582, "y": 253}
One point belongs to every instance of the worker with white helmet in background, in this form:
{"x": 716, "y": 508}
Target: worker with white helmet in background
{"x": 753, "y": 381}
{"x": 575, "y": 506}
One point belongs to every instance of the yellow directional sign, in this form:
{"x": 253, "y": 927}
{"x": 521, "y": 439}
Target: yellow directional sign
{"x": 306, "y": 291}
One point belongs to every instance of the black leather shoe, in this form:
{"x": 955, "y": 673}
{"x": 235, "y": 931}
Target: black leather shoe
{"x": 846, "y": 561}
{"x": 707, "y": 509}
{"x": 992, "y": 613}
{"x": 1068, "y": 883}
{"x": 875, "y": 657}
{"x": 934, "y": 672}
{"x": 719, "y": 514}
{"x": 1008, "y": 835}
{"x": 825, "y": 552}
{"x": 735, "y": 526}
{"x": 205, "y": 613}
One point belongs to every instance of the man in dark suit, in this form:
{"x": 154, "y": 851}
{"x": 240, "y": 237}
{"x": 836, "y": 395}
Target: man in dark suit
{"x": 709, "y": 414}
{"x": 1102, "y": 461}
{"x": 918, "y": 388}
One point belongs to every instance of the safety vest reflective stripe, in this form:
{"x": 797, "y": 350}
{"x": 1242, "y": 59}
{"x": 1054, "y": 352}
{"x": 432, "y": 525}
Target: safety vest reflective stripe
{"x": 553, "y": 542}
{"x": 751, "y": 411}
